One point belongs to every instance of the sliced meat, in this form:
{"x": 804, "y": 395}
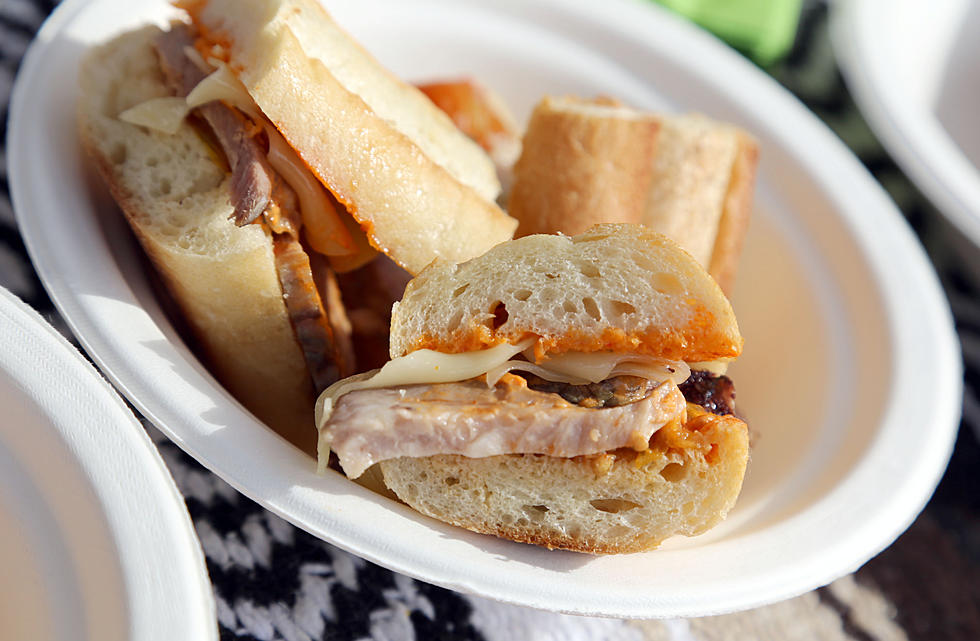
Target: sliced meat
{"x": 181, "y": 72}
{"x": 326, "y": 351}
{"x": 325, "y": 280}
{"x": 368, "y": 426}
{"x": 713, "y": 392}
{"x": 257, "y": 190}
{"x": 612, "y": 392}
{"x": 255, "y": 187}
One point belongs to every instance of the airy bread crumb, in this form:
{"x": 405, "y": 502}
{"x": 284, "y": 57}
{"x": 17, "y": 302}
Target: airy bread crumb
{"x": 614, "y": 287}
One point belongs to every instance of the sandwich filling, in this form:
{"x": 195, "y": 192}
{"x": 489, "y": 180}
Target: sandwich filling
{"x": 270, "y": 187}
{"x": 470, "y": 419}
{"x": 496, "y": 401}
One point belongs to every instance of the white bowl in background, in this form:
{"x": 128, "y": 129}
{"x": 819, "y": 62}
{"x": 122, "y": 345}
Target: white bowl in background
{"x": 914, "y": 70}
{"x": 851, "y": 375}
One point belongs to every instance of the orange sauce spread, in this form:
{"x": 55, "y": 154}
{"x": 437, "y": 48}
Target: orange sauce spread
{"x": 684, "y": 432}
{"x": 695, "y": 342}
{"x": 680, "y": 435}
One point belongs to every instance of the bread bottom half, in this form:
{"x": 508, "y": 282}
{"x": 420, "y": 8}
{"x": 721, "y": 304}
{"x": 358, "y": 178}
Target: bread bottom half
{"x": 618, "y": 502}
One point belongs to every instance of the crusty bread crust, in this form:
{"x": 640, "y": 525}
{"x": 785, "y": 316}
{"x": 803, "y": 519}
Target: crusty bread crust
{"x": 582, "y": 164}
{"x": 735, "y": 214}
{"x": 691, "y": 178}
{"x": 175, "y": 197}
{"x": 618, "y": 502}
{"x": 613, "y": 288}
{"x": 419, "y": 187}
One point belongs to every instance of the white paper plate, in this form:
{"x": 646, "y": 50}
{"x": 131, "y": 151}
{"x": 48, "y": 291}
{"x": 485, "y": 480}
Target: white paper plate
{"x": 95, "y": 542}
{"x": 851, "y": 374}
{"x": 913, "y": 68}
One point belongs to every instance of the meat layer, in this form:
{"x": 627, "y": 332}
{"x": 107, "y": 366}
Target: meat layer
{"x": 260, "y": 195}
{"x": 473, "y": 420}
{"x": 713, "y": 392}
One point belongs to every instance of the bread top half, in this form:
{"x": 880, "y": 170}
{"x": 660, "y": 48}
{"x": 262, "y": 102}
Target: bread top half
{"x": 419, "y": 187}
{"x": 615, "y": 287}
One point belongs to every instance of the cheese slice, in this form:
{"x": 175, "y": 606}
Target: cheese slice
{"x": 223, "y": 85}
{"x": 164, "y": 114}
{"x": 421, "y": 367}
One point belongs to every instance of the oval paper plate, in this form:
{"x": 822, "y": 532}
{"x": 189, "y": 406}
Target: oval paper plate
{"x": 95, "y": 541}
{"x": 850, "y": 378}
{"x": 922, "y": 101}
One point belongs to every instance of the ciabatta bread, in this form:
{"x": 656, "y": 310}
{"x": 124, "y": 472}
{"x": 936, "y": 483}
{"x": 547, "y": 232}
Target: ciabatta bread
{"x": 420, "y": 188}
{"x": 688, "y": 177}
{"x": 175, "y": 197}
{"x": 614, "y": 287}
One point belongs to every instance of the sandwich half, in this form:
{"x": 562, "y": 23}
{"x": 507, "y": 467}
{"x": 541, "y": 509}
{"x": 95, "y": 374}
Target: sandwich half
{"x": 258, "y": 153}
{"x": 549, "y": 392}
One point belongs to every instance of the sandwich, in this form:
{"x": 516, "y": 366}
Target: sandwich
{"x": 261, "y": 157}
{"x": 592, "y": 161}
{"x": 553, "y": 391}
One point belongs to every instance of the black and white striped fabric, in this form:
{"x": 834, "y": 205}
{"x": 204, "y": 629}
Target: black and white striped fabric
{"x": 274, "y": 582}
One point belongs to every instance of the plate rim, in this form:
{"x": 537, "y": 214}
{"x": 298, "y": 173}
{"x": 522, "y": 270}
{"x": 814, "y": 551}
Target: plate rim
{"x": 632, "y": 17}
{"x": 152, "y": 561}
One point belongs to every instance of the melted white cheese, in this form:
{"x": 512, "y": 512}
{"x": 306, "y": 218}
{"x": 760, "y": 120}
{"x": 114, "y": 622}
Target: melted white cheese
{"x": 164, "y": 114}
{"x": 423, "y": 366}
{"x": 580, "y": 368}
{"x": 223, "y": 85}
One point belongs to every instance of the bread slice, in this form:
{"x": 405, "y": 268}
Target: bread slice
{"x": 618, "y": 502}
{"x": 701, "y": 194}
{"x": 735, "y": 213}
{"x": 175, "y": 196}
{"x": 689, "y": 177}
{"x": 420, "y": 188}
{"x": 582, "y": 164}
{"x": 614, "y": 288}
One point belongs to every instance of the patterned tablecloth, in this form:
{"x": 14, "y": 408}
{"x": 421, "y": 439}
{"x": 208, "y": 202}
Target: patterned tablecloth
{"x": 273, "y": 581}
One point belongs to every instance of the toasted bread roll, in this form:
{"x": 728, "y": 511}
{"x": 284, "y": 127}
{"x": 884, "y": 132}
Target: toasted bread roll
{"x": 735, "y": 214}
{"x": 691, "y": 179}
{"x": 420, "y": 188}
{"x": 175, "y": 196}
{"x": 614, "y": 287}
{"x": 582, "y": 164}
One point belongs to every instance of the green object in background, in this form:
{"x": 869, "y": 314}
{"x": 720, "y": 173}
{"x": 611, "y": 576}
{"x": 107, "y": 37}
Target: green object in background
{"x": 762, "y": 29}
